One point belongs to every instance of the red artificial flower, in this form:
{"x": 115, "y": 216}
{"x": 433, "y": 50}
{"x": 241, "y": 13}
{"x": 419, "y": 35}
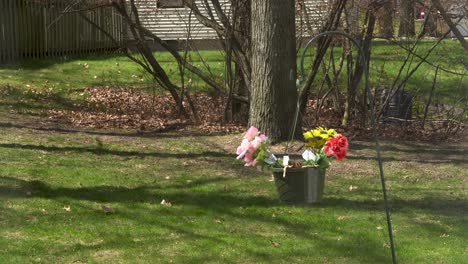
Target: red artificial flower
{"x": 340, "y": 154}
{"x": 337, "y": 146}
{"x": 342, "y": 141}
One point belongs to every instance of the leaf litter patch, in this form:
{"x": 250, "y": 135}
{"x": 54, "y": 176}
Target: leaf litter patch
{"x": 108, "y": 107}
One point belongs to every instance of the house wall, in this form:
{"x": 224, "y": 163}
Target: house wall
{"x": 462, "y": 27}
{"x": 457, "y": 11}
{"x": 173, "y": 23}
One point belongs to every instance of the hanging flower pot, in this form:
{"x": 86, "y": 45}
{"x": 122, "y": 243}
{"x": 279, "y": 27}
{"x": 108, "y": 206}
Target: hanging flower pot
{"x": 296, "y": 182}
{"x": 300, "y": 185}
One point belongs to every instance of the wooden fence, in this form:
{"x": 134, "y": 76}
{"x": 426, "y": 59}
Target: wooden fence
{"x": 36, "y": 29}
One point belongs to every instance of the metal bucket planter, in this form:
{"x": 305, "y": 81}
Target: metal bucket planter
{"x": 300, "y": 185}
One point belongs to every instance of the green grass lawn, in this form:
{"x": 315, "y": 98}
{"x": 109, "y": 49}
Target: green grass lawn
{"x": 55, "y": 179}
{"x": 68, "y": 76}
{"x": 54, "y": 182}
{"x": 114, "y": 70}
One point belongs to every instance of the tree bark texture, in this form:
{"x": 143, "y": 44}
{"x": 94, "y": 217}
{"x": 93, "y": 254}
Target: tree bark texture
{"x": 431, "y": 25}
{"x": 273, "y": 91}
{"x": 385, "y": 19}
{"x": 242, "y": 26}
{"x": 407, "y": 27}
{"x": 356, "y": 77}
{"x": 352, "y": 18}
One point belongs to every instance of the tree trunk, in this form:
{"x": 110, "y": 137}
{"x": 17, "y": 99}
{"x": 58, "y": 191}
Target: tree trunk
{"x": 356, "y": 76}
{"x": 406, "y": 19}
{"x": 431, "y": 25}
{"x": 273, "y": 91}
{"x": 352, "y": 18}
{"x": 385, "y": 18}
{"x": 241, "y": 10}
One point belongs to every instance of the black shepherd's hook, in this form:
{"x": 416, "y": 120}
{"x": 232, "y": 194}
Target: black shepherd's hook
{"x": 373, "y": 121}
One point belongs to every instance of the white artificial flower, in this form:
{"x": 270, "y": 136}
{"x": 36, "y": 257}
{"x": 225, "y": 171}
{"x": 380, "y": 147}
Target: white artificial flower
{"x": 271, "y": 160}
{"x": 309, "y": 155}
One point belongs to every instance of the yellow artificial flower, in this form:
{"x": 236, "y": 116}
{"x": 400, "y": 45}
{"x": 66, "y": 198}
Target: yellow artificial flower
{"x": 308, "y": 135}
{"x": 316, "y": 138}
{"x": 331, "y": 132}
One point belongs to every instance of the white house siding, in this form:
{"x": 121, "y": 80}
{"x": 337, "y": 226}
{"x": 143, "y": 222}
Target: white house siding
{"x": 458, "y": 11}
{"x": 173, "y": 23}
{"x": 310, "y": 20}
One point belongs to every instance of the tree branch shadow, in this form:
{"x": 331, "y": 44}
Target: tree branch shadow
{"x": 63, "y": 128}
{"x": 227, "y": 203}
{"x": 121, "y": 153}
{"x": 213, "y": 202}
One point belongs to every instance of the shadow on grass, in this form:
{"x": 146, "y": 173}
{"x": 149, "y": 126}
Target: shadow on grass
{"x": 358, "y": 246}
{"x": 419, "y": 160}
{"x": 430, "y": 203}
{"x": 27, "y": 100}
{"x": 214, "y": 203}
{"x": 414, "y": 148}
{"x": 433, "y": 154}
{"x": 121, "y": 153}
{"x": 37, "y": 64}
{"x": 216, "y": 199}
{"x": 31, "y": 64}
{"x": 141, "y": 134}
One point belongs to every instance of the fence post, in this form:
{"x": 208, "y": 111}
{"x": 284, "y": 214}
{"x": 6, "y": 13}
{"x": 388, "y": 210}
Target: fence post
{"x": 2, "y": 40}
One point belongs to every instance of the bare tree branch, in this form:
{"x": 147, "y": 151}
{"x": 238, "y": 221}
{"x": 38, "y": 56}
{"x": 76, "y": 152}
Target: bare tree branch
{"x": 450, "y": 23}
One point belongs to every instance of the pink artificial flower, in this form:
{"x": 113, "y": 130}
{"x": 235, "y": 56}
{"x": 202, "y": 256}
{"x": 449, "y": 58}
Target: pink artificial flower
{"x": 249, "y": 157}
{"x": 258, "y": 140}
{"x": 251, "y": 142}
{"x": 251, "y": 133}
{"x": 245, "y": 151}
{"x": 242, "y": 149}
